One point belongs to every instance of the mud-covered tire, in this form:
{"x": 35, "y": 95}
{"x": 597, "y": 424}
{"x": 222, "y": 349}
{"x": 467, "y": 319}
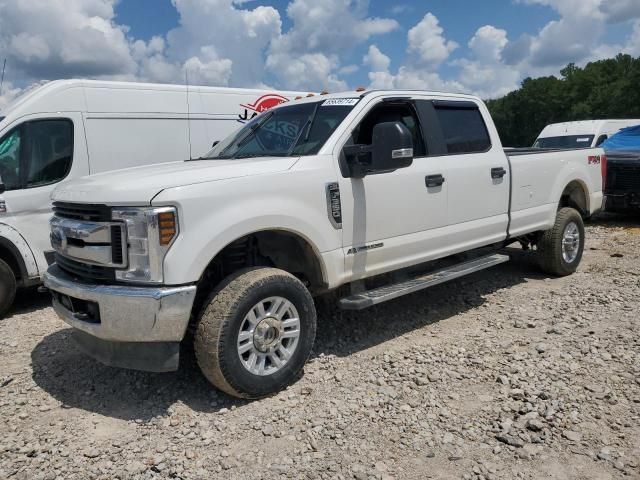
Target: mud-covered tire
{"x": 219, "y": 325}
{"x": 551, "y": 257}
{"x": 8, "y": 286}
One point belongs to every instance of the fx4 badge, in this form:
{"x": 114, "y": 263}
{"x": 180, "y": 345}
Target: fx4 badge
{"x": 594, "y": 160}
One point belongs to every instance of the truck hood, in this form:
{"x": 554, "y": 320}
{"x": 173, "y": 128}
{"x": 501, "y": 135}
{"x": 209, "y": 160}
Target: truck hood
{"x": 138, "y": 185}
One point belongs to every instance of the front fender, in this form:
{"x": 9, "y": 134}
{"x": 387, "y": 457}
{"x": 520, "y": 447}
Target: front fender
{"x": 213, "y": 216}
{"x": 13, "y": 241}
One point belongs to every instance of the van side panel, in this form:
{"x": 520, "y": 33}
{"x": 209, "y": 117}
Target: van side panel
{"x": 117, "y": 143}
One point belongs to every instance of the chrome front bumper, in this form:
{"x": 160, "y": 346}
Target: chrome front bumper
{"x": 127, "y": 314}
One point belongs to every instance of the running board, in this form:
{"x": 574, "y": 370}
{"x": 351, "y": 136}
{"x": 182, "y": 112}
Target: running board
{"x": 369, "y": 298}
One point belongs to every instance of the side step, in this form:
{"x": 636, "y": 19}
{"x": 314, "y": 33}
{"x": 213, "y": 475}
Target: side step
{"x": 368, "y": 298}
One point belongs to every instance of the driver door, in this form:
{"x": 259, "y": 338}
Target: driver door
{"x": 389, "y": 218}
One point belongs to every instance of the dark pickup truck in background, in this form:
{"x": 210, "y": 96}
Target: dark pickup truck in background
{"x": 622, "y": 186}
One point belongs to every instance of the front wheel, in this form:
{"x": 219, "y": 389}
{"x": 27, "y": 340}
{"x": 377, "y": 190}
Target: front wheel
{"x": 255, "y": 332}
{"x": 8, "y": 286}
{"x": 560, "y": 248}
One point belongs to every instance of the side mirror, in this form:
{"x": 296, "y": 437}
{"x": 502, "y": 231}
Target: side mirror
{"x": 392, "y": 147}
{"x": 215, "y": 143}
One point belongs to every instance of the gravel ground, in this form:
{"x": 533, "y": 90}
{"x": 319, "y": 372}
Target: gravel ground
{"x": 502, "y": 375}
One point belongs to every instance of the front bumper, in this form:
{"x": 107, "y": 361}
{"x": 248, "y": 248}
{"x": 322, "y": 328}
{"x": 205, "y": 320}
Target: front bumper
{"x": 112, "y": 319}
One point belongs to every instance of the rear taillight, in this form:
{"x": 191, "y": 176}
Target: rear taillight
{"x": 603, "y": 167}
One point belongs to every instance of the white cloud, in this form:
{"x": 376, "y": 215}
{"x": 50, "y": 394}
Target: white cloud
{"x": 377, "y": 60}
{"x": 242, "y": 43}
{"x": 59, "y": 38}
{"x": 426, "y": 40}
{"x": 323, "y": 31}
{"x": 8, "y": 94}
{"x": 418, "y": 73}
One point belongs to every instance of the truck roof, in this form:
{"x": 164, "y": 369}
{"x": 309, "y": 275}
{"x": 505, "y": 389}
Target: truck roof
{"x": 366, "y": 93}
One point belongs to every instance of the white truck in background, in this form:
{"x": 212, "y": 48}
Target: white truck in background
{"x": 71, "y": 128}
{"x": 580, "y": 134}
{"x": 370, "y": 195}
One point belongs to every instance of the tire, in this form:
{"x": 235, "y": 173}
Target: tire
{"x": 8, "y": 286}
{"x": 551, "y": 257}
{"x": 232, "y": 311}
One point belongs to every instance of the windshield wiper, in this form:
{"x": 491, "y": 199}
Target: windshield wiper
{"x": 307, "y": 127}
{"x": 252, "y": 130}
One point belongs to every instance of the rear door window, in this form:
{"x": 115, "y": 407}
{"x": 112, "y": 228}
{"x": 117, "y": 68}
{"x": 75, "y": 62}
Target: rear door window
{"x": 463, "y": 129}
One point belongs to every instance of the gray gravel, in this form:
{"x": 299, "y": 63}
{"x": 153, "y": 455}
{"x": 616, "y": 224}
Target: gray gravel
{"x": 503, "y": 375}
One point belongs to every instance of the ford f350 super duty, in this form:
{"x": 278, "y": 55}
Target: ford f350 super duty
{"x": 369, "y": 195}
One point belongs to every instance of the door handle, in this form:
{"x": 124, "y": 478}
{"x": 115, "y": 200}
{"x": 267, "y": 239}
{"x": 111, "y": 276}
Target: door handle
{"x": 498, "y": 172}
{"x": 434, "y": 180}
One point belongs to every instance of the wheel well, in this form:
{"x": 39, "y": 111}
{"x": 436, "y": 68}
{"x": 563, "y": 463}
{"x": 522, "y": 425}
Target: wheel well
{"x": 271, "y": 248}
{"x": 574, "y": 196}
{"x": 9, "y": 257}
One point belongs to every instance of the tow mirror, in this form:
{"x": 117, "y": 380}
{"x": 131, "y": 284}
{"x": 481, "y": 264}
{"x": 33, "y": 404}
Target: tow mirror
{"x": 391, "y": 148}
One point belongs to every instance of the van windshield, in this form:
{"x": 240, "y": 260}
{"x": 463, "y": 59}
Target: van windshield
{"x": 567, "y": 141}
{"x": 291, "y": 130}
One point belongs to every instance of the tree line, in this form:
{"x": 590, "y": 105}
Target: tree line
{"x": 601, "y": 90}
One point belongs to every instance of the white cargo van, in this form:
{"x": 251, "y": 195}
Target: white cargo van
{"x": 72, "y": 128}
{"x": 583, "y": 134}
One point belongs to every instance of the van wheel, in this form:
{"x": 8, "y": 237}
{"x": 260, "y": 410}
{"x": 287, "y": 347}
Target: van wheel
{"x": 255, "y": 332}
{"x": 560, "y": 248}
{"x": 8, "y": 287}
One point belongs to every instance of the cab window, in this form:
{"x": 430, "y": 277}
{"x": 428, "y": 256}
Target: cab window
{"x": 403, "y": 113}
{"x": 36, "y": 153}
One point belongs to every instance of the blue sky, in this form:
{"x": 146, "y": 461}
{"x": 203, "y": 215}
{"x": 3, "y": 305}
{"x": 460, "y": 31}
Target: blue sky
{"x": 484, "y": 47}
{"x": 459, "y": 18}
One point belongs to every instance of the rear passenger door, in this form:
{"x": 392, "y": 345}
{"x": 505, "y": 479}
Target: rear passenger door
{"x": 477, "y": 171}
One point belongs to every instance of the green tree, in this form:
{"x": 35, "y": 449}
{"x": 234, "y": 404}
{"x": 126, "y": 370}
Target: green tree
{"x": 601, "y": 90}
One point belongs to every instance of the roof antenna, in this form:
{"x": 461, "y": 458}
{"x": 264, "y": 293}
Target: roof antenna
{"x": 4, "y": 65}
{"x": 186, "y": 79}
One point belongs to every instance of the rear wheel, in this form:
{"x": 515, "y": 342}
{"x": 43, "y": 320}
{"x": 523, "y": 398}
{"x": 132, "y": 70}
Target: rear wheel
{"x": 560, "y": 248}
{"x": 255, "y": 332}
{"x": 8, "y": 286}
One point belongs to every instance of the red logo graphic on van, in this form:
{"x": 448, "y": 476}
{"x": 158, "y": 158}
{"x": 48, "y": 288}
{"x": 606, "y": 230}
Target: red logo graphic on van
{"x": 263, "y": 103}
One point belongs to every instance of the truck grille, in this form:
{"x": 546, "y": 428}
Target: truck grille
{"x": 623, "y": 178}
{"x": 81, "y": 211}
{"x": 85, "y": 271}
{"x": 88, "y": 243}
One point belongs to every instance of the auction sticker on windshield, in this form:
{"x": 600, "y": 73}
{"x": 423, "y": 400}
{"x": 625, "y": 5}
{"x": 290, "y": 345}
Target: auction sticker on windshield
{"x": 339, "y": 102}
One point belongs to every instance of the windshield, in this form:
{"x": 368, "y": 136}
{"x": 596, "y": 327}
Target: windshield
{"x": 292, "y": 130}
{"x": 568, "y": 141}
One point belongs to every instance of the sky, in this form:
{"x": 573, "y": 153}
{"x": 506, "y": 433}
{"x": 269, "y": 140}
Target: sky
{"x": 485, "y": 47}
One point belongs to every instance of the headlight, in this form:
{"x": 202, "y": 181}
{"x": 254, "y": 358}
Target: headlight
{"x": 150, "y": 234}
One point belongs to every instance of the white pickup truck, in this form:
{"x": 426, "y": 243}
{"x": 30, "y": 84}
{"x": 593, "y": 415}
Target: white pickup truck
{"x": 356, "y": 193}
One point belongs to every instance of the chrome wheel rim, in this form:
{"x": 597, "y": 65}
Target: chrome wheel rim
{"x": 570, "y": 242}
{"x": 268, "y": 336}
